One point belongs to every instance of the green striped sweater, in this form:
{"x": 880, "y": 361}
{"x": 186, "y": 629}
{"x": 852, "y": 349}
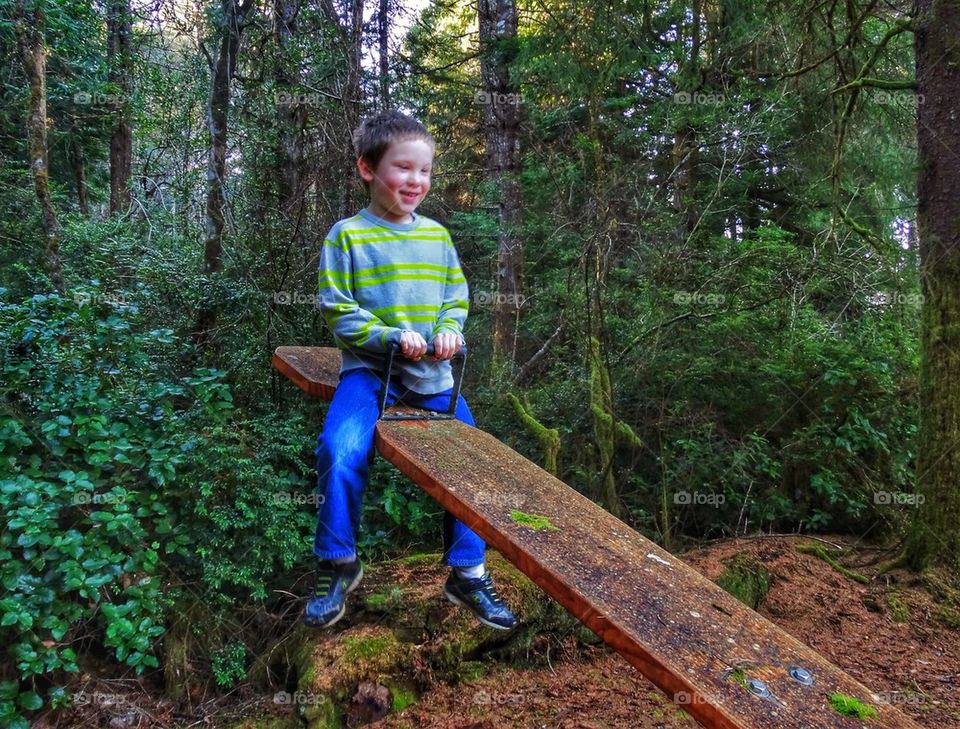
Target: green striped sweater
{"x": 378, "y": 278}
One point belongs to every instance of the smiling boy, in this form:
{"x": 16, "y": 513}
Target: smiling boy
{"x": 388, "y": 276}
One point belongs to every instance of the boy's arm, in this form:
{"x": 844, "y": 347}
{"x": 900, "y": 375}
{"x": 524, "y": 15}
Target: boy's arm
{"x": 352, "y": 325}
{"x": 453, "y": 312}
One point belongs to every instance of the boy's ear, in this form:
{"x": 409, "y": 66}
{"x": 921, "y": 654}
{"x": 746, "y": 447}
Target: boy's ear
{"x": 363, "y": 167}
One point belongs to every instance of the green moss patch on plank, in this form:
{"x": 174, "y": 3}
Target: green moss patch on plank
{"x": 537, "y": 522}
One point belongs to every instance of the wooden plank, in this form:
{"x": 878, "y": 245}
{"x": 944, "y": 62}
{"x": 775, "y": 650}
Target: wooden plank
{"x": 315, "y": 370}
{"x": 676, "y": 627}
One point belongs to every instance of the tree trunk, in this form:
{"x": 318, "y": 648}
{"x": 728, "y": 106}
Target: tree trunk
{"x": 500, "y": 99}
{"x": 119, "y": 62}
{"x": 935, "y": 535}
{"x": 78, "y": 165}
{"x": 291, "y": 116}
{"x": 222, "y": 69}
{"x": 350, "y": 31}
{"x": 686, "y": 151}
{"x": 33, "y": 54}
{"x": 384, "y": 27}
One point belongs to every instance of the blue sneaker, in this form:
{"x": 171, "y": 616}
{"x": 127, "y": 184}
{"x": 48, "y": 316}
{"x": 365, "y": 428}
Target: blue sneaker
{"x": 329, "y": 601}
{"x": 479, "y": 596}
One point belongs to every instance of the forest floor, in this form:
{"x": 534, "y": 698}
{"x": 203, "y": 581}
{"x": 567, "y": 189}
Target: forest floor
{"x": 893, "y": 633}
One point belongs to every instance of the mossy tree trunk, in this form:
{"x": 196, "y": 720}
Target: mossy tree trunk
{"x": 609, "y": 431}
{"x": 548, "y": 438}
{"x": 29, "y": 23}
{"x": 935, "y": 533}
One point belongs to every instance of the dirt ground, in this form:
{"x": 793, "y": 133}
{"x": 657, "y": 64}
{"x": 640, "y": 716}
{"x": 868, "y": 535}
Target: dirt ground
{"x": 915, "y": 664}
{"x": 889, "y": 634}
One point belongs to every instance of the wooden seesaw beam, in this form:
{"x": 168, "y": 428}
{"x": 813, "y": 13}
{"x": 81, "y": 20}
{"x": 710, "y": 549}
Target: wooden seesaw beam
{"x": 726, "y": 665}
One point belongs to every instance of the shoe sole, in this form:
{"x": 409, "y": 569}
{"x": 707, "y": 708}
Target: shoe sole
{"x": 343, "y": 611}
{"x": 457, "y": 601}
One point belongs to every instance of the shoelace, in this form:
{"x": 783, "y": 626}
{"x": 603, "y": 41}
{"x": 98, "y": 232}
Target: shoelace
{"x": 487, "y": 585}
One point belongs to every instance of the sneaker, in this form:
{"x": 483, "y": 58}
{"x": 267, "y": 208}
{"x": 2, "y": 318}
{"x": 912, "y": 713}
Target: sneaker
{"x": 329, "y": 601}
{"x": 479, "y": 596}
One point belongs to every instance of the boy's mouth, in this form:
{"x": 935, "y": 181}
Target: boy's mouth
{"x": 409, "y": 196}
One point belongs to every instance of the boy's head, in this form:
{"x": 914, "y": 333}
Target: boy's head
{"x": 395, "y": 160}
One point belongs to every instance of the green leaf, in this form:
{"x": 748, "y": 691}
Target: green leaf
{"x": 30, "y": 701}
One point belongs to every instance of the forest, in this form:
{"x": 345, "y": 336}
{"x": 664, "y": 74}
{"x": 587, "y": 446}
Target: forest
{"x": 714, "y": 271}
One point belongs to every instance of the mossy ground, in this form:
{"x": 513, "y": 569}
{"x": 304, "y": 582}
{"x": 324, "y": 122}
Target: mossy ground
{"x": 817, "y": 550}
{"x": 746, "y": 579}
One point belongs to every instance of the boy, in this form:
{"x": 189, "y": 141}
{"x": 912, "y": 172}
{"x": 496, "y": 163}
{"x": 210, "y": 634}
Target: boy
{"x": 389, "y": 276}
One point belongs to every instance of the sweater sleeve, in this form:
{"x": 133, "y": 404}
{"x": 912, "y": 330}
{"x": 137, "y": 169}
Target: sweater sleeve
{"x": 453, "y": 312}
{"x": 352, "y": 325}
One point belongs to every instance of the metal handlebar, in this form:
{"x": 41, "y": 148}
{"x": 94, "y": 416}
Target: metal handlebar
{"x": 450, "y": 414}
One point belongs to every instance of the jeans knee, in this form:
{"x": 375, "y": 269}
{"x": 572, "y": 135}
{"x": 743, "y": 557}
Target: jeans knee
{"x": 337, "y": 453}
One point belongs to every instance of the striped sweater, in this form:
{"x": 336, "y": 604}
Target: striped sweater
{"x": 377, "y": 278}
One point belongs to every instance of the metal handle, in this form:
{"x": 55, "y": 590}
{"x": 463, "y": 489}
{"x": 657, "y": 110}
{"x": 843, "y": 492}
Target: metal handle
{"x": 450, "y": 414}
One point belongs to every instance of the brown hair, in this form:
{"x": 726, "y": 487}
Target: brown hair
{"x": 377, "y": 133}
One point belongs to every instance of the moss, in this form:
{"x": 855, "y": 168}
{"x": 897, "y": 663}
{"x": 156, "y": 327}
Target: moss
{"x": 536, "y": 522}
{"x": 473, "y": 670}
{"x": 323, "y": 714}
{"x": 944, "y": 587}
{"x": 587, "y": 636}
{"x": 548, "y": 438}
{"x": 746, "y": 579}
{"x": 273, "y": 722}
{"x": 849, "y": 706}
{"x": 366, "y": 648}
{"x": 898, "y": 611}
{"x": 949, "y": 616}
{"x": 402, "y": 697}
{"x": 421, "y": 558}
{"x": 738, "y": 676}
{"x": 384, "y": 601}
{"x": 818, "y": 551}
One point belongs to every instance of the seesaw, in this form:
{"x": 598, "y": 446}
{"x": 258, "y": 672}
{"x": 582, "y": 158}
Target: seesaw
{"x": 725, "y": 664}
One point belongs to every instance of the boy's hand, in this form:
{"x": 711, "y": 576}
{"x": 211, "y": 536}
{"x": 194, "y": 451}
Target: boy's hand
{"x": 412, "y": 345}
{"x": 446, "y": 344}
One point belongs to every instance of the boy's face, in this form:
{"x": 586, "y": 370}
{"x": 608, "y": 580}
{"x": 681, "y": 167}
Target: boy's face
{"x": 400, "y": 181}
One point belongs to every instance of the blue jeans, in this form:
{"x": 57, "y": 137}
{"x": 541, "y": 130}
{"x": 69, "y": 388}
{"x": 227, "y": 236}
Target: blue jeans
{"x": 345, "y": 452}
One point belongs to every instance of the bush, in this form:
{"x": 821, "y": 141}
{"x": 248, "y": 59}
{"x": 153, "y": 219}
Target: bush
{"x": 117, "y": 474}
